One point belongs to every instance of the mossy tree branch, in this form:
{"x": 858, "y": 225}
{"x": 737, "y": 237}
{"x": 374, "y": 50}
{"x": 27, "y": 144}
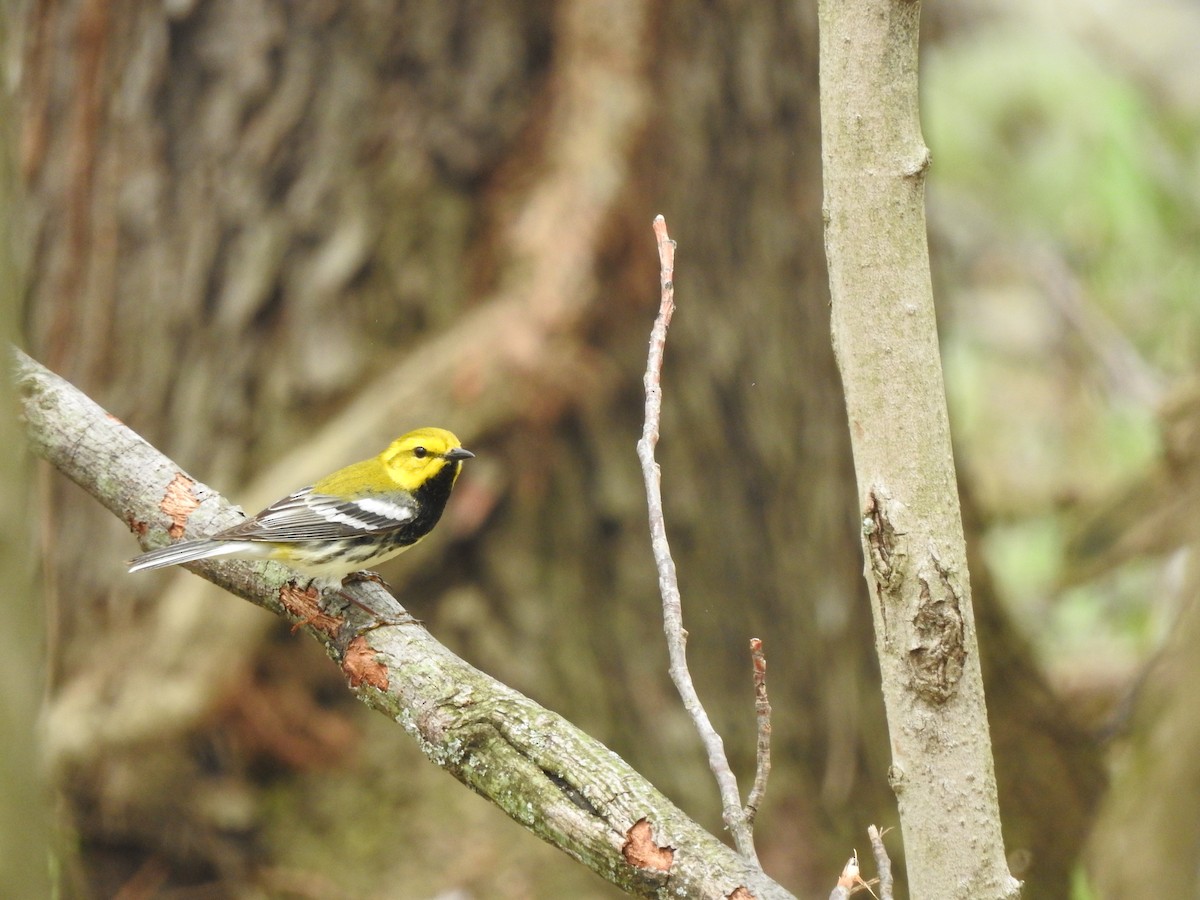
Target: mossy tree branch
{"x": 564, "y": 786}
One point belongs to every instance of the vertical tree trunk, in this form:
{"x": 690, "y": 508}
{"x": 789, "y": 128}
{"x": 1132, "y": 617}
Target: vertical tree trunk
{"x": 885, "y": 337}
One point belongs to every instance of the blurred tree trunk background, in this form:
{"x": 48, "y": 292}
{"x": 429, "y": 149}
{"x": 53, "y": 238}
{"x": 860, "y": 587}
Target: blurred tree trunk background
{"x": 240, "y": 216}
{"x": 24, "y": 814}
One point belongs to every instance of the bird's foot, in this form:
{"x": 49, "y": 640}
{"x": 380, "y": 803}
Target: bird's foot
{"x": 367, "y": 576}
{"x": 380, "y": 621}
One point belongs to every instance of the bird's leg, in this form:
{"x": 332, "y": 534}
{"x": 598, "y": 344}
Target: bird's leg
{"x": 372, "y": 577}
{"x": 380, "y": 621}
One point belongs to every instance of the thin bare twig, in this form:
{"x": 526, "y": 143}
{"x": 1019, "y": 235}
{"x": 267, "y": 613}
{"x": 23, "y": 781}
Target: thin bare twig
{"x": 850, "y": 882}
{"x": 882, "y": 862}
{"x": 762, "y": 711}
{"x": 668, "y": 583}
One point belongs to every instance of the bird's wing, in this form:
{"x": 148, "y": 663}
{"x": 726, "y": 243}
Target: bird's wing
{"x": 306, "y": 516}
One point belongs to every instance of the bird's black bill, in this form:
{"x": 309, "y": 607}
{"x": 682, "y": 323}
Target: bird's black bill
{"x": 459, "y": 453}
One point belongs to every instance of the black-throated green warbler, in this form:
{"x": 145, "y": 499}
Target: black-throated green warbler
{"x": 348, "y": 521}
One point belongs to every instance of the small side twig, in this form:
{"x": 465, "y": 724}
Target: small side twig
{"x": 882, "y": 862}
{"x": 848, "y": 881}
{"x": 851, "y": 880}
{"x": 668, "y": 583}
{"x": 762, "y": 712}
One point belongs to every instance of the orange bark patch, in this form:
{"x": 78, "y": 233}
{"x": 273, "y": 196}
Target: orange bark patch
{"x": 179, "y": 502}
{"x": 362, "y": 665}
{"x": 640, "y": 849}
{"x": 740, "y": 893}
{"x": 305, "y": 605}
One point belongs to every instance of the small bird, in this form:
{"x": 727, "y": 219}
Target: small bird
{"x": 348, "y": 521}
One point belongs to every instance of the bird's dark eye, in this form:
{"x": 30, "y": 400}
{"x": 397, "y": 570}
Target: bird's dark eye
{"x": 420, "y": 452}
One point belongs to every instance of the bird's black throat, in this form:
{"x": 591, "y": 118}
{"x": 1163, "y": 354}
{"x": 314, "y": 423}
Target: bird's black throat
{"x": 431, "y": 500}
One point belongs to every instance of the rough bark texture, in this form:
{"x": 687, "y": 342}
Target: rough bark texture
{"x": 272, "y": 235}
{"x": 885, "y": 339}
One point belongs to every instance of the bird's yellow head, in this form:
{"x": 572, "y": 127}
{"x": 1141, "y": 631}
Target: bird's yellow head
{"x": 414, "y": 458}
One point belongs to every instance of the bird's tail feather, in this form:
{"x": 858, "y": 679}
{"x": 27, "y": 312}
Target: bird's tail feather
{"x": 184, "y": 552}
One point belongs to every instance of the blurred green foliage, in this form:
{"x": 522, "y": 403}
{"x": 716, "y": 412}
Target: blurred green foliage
{"x": 1063, "y": 144}
{"x": 1065, "y": 213}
